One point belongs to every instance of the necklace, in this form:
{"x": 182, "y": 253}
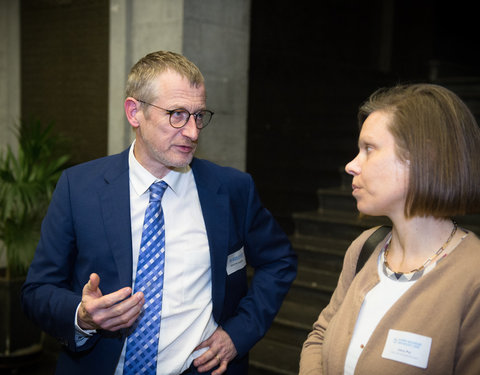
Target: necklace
{"x": 429, "y": 260}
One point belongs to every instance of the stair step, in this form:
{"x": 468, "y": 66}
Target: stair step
{"x": 254, "y": 370}
{"x": 293, "y": 322}
{"x": 306, "y": 295}
{"x": 337, "y": 199}
{"x": 317, "y": 278}
{"x": 320, "y": 243}
{"x": 334, "y": 223}
{"x": 319, "y": 253}
{"x": 273, "y": 357}
{"x": 292, "y": 334}
{"x": 297, "y": 315}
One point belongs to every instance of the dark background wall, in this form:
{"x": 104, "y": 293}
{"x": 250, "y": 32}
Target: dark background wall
{"x": 64, "y": 69}
{"x": 313, "y": 63}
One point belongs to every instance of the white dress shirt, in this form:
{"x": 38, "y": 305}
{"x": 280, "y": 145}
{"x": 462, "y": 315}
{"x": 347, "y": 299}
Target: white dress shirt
{"x": 187, "y": 318}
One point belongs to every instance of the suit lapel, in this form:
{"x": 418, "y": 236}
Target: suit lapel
{"x": 115, "y": 202}
{"x": 215, "y": 214}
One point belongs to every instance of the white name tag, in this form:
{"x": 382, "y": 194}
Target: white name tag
{"x": 236, "y": 261}
{"x": 407, "y": 347}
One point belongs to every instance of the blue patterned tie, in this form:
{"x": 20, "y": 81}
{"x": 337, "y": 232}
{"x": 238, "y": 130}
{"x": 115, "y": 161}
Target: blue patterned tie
{"x": 142, "y": 344}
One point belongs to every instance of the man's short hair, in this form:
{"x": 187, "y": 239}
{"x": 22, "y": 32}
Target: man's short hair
{"x": 144, "y": 72}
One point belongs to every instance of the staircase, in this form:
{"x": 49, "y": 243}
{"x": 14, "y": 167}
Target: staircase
{"x": 320, "y": 240}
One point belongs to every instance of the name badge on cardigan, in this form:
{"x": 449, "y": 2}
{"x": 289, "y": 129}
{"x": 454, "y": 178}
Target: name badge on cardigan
{"x": 407, "y": 347}
{"x": 236, "y": 261}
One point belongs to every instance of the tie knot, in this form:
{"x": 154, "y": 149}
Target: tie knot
{"x": 156, "y": 190}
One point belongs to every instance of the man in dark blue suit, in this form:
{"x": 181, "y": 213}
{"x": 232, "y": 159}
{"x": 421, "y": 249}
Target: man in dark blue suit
{"x": 81, "y": 285}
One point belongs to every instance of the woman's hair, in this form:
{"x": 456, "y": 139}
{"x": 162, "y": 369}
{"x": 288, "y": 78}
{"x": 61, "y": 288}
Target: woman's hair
{"x": 438, "y": 136}
{"x": 144, "y": 72}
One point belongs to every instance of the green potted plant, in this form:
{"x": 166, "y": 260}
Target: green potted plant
{"x": 27, "y": 180}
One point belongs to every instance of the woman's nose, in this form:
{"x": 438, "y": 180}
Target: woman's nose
{"x": 353, "y": 168}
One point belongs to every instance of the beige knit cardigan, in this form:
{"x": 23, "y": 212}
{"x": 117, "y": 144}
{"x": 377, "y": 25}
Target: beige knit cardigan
{"x": 444, "y": 304}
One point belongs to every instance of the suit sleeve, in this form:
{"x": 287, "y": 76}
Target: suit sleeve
{"x": 50, "y": 294}
{"x": 269, "y": 253}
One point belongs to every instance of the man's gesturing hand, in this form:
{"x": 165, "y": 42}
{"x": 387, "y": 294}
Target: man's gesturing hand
{"x": 111, "y": 312}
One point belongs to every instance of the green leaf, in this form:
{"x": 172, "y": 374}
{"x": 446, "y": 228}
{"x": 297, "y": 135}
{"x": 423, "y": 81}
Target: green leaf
{"x": 27, "y": 181}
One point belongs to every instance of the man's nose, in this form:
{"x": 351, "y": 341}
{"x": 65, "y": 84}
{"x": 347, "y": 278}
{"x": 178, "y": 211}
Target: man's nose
{"x": 190, "y": 129}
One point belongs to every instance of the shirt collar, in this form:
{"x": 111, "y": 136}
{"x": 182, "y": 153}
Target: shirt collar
{"x": 141, "y": 179}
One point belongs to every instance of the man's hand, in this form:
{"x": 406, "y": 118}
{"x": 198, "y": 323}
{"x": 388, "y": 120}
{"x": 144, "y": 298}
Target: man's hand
{"x": 221, "y": 351}
{"x": 111, "y": 312}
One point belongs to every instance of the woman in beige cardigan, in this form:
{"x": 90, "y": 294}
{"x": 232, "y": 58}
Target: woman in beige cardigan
{"x": 414, "y": 308}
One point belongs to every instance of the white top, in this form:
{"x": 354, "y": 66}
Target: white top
{"x": 375, "y": 305}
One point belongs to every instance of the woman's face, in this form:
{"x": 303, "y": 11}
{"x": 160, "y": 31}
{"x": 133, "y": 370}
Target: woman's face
{"x": 380, "y": 178}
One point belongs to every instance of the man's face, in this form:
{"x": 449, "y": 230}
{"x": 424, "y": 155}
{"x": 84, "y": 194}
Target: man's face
{"x": 159, "y": 147}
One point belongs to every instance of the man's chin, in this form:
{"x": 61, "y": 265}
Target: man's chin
{"x": 181, "y": 164}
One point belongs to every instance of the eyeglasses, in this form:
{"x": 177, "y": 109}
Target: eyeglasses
{"x": 179, "y": 117}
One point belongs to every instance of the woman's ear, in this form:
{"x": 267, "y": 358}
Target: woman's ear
{"x": 131, "y": 109}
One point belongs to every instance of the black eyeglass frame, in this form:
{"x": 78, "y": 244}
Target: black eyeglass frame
{"x": 172, "y": 111}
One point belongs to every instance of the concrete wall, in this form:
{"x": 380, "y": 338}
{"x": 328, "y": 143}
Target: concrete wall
{"x": 136, "y": 28}
{"x": 214, "y": 34}
{"x": 216, "y": 37}
{"x": 9, "y": 70}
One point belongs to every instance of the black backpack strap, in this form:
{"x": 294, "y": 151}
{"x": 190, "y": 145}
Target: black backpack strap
{"x": 370, "y": 245}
